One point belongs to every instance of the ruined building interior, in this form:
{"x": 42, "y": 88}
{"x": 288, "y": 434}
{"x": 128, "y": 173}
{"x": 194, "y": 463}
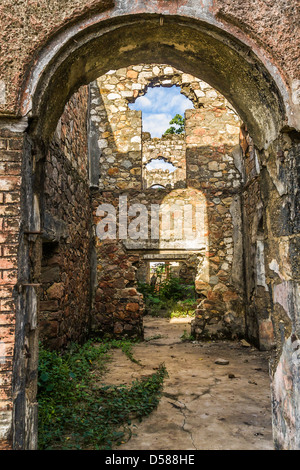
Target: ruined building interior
{"x": 90, "y": 201}
{"x": 98, "y": 163}
{"x": 214, "y": 161}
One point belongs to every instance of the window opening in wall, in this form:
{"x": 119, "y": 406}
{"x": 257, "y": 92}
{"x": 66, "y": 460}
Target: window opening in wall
{"x": 160, "y": 163}
{"x": 157, "y": 186}
{"x": 159, "y": 106}
{"x": 169, "y": 290}
{"x": 163, "y": 137}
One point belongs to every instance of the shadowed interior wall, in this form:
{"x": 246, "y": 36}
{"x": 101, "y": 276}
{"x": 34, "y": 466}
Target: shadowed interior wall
{"x": 65, "y": 276}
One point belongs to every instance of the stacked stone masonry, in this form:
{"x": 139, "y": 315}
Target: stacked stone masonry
{"x": 206, "y": 158}
{"x": 65, "y": 276}
{"x": 170, "y": 149}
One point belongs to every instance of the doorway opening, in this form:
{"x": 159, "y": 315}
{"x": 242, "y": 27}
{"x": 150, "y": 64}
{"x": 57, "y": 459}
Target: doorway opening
{"x": 218, "y": 279}
{"x": 166, "y": 217}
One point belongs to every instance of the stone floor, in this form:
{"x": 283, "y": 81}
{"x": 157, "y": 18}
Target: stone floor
{"x": 205, "y": 406}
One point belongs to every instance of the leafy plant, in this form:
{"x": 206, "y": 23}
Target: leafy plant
{"x": 75, "y": 412}
{"x": 179, "y": 122}
{"x": 146, "y": 289}
{"x": 185, "y": 337}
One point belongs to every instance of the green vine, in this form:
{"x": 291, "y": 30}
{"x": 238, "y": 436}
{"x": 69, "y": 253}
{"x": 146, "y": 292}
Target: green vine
{"x": 78, "y": 412}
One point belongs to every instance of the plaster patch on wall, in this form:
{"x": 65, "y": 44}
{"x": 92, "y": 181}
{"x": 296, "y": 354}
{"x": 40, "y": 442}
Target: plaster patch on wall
{"x": 238, "y": 162}
{"x": 275, "y": 267}
{"x": 236, "y": 214}
{"x": 296, "y": 91}
{"x": 5, "y": 427}
{"x": 260, "y": 263}
{"x": 281, "y": 295}
{"x": 36, "y": 214}
{"x": 32, "y": 307}
{"x": 296, "y": 302}
{"x": 2, "y": 92}
{"x": 2, "y": 353}
{"x": 256, "y": 160}
{"x": 14, "y": 125}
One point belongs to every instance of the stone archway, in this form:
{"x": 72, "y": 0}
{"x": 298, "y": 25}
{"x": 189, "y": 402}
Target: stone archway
{"x": 145, "y": 40}
{"x": 80, "y": 54}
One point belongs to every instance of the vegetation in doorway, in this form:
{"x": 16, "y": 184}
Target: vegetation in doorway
{"x": 77, "y": 411}
{"x": 170, "y": 298}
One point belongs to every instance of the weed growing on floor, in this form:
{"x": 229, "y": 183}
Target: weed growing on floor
{"x": 76, "y": 412}
{"x": 186, "y": 337}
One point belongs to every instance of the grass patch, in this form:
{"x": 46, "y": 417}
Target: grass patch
{"x": 75, "y": 412}
{"x": 184, "y": 308}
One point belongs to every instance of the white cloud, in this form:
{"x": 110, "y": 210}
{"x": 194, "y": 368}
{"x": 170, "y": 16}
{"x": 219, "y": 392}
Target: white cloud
{"x": 179, "y": 104}
{"x": 160, "y": 163}
{"x": 159, "y": 106}
{"x": 156, "y": 124}
{"x": 143, "y": 102}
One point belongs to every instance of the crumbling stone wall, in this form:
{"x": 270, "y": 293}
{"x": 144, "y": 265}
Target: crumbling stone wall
{"x": 214, "y": 168}
{"x": 209, "y": 160}
{"x": 171, "y": 149}
{"x": 65, "y": 291}
{"x": 258, "y": 318}
{"x": 280, "y": 195}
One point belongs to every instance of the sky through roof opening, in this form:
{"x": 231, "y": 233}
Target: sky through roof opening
{"x": 159, "y": 105}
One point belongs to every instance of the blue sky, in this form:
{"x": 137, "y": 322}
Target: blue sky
{"x": 159, "y": 105}
{"x": 160, "y": 163}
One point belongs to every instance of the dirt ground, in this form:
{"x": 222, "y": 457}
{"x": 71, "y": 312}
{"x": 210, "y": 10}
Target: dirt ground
{"x": 205, "y": 406}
